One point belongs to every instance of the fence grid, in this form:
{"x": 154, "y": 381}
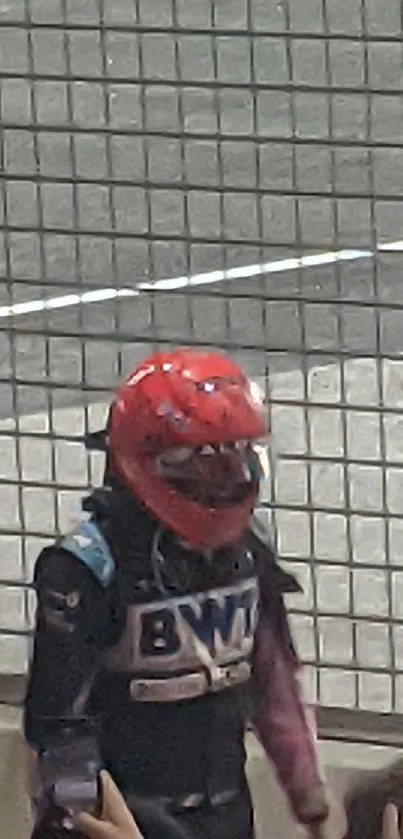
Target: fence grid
{"x": 229, "y": 175}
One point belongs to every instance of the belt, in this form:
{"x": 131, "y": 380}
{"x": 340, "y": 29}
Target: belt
{"x": 185, "y": 804}
{"x": 190, "y": 685}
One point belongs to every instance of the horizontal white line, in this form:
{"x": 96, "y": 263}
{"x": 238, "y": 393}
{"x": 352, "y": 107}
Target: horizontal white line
{"x": 97, "y": 296}
{"x": 243, "y": 272}
{"x": 391, "y": 246}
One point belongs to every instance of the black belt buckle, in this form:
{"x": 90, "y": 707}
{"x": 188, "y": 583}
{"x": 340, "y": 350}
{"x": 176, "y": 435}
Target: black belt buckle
{"x": 187, "y": 803}
{"x": 169, "y": 804}
{"x": 219, "y": 799}
{"x": 202, "y": 800}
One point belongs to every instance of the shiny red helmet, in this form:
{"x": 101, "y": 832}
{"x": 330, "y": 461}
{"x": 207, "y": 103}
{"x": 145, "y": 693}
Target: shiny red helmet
{"x": 182, "y": 437}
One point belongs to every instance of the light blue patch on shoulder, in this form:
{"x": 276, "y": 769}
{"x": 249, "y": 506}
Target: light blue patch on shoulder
{"x": 88, "y": 545}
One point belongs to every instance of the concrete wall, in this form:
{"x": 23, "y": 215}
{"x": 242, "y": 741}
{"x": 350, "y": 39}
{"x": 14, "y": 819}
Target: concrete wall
{"x": 339, "y": 762}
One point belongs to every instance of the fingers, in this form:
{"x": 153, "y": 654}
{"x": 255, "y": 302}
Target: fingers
{"x": 94, "y": 828}
{"x": 337, "y": 819}
{"x": 390, "y": 822}
{"x": 114, "y": 808}
{"x": 116, "y": 821}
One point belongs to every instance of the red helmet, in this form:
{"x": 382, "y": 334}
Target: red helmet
{"x": 181, "y": 437}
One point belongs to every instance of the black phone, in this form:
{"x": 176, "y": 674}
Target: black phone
{"x": 69, "y": 766}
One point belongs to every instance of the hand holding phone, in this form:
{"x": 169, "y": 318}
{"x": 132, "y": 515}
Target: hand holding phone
{"x": 115, "y": 821}
{"x": 69, "y": 767}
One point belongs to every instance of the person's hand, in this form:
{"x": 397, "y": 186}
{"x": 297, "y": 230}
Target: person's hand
{"x": 390, "y": 822}
{"x": 115, "y": 822}
{"x": 335, "y": 825}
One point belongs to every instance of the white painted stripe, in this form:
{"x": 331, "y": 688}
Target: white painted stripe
{"x": 248, "y": 271}
{"x": 242, "y": 272}
{"x": 97, "y": 296}
{"x": 391, "y": 246}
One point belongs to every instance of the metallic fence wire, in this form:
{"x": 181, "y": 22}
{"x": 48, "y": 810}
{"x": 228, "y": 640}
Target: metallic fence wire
{"x": 224, "y": 174}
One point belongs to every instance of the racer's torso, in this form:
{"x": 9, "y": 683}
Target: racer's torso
{"x": 171, "y": 691}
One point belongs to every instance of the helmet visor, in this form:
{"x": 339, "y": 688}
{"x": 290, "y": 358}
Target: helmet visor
{"x": 214, "y": 476}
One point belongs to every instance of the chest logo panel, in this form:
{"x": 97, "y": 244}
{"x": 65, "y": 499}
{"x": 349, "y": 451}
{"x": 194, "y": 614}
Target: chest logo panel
{"x": 166, "y": 635}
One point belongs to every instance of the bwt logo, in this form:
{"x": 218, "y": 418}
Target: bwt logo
{"x": 222, "y": 620}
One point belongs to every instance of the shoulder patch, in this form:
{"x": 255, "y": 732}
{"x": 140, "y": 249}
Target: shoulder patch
{"x": 89, "y": 546}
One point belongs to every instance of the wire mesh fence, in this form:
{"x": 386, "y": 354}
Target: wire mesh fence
{"x": 224, "y": 174}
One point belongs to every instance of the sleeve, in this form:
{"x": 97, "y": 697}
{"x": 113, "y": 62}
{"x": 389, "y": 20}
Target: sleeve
{"x": 70, "y": 630}
{"x": 280, "y": 717}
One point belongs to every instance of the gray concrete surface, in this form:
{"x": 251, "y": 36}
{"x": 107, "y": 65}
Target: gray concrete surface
{"x": 348, "y": 197}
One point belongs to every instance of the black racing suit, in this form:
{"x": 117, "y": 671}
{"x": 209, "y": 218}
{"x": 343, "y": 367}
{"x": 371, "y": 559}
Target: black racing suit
{"x": 171, "y": 652}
